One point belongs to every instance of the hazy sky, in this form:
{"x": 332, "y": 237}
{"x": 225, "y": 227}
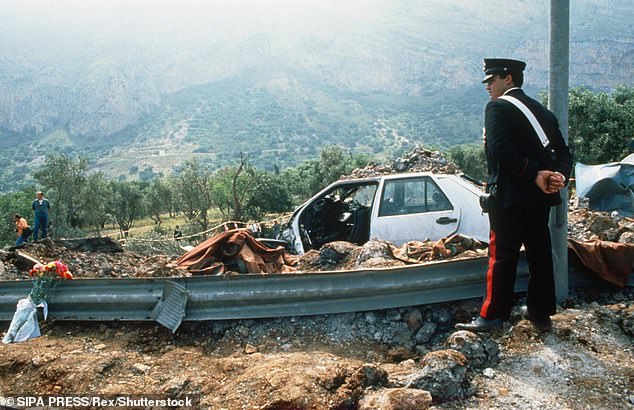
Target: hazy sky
{"x": 160, "y": 17}
{"x": 333, "y": 33}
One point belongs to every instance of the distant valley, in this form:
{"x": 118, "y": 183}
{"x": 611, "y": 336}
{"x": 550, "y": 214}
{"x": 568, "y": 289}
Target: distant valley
{"x": 377, "y": 80}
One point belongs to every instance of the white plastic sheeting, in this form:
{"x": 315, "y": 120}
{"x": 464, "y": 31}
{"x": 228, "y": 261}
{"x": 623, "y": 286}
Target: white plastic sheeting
{"x": 24, "y": 325}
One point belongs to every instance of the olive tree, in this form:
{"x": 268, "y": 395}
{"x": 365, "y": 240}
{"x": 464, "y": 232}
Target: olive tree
{"x": 193, "y": 192}
{"x": 601, "y": 125}
{"x": 232, "y": 187}
{"x": 471, "y": 159}
{"x": 126, "y": 204}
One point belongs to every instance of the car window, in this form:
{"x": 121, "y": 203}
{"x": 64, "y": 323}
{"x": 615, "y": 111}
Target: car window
{"x": 365, "y": 195}
{"x": 412, "y": 195}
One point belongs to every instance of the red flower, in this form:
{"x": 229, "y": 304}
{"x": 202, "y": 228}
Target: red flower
{"x": 46, "y": 277}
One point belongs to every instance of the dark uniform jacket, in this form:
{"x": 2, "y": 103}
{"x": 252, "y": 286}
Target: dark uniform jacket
{"x": 515, "y": 153}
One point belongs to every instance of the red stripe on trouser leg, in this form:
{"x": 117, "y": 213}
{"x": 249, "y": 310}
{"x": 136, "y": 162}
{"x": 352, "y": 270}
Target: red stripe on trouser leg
{"x": 492, "y": 258}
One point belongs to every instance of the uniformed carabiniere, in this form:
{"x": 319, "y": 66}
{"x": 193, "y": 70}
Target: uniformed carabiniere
{"x": 526, "y": 173}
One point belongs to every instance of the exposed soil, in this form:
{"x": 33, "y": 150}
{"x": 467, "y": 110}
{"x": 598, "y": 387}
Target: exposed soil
{"x": 335, "y": 361}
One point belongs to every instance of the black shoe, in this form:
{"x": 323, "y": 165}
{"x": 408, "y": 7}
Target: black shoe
{"x": 541, "y": 324}
{"x": 480, "y": 324}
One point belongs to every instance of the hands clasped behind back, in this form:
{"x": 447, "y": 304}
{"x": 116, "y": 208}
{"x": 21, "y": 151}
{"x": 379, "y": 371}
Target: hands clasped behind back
{"x": 550, "y": 182}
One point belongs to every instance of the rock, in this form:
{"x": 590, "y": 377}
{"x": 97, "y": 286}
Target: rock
{"x": 396, "y": 399}
{"x": 398, "y": 354}
{"x": 396, "y": 334}
{"x": 599, "y": 222}
{"x": 374, "y": 249}
{"x": 421, "y": 350}
{"x": 400, "y": 165}
{"x": 107, "y": 270}
{"x": 141, "y": 368}
{"x": 425, "y": 333}
{"x": 393, "y": 315}
{"x": 418, "y": 159}
{"x": 414, "y": 320}
{"x": 626, "y": 237}
{"x": 336, "y": 252}
{"x": 176, "y": 385}
{"x": 627, "y": 324}
{"x": 480, "y": 352}
{"x": 442, "y": 317}
{"x": 368, "y": 375}
{"x": 250, "y": 349}
{"x": 442, "y": 373}
{"x": 349, "y": 393}
{"x": 41, "y": 360}
{"x": 242, "y": 331}
{"x": 380, "y": 263}
{"x": 609, "y": 235}
{"x": 488, "y": 373}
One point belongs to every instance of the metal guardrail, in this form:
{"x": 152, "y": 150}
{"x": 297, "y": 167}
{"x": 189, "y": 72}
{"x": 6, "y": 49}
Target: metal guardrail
{"x": 170, "y": 300}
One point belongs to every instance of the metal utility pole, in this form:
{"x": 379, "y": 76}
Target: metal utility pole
{"x": 558, "y": 103}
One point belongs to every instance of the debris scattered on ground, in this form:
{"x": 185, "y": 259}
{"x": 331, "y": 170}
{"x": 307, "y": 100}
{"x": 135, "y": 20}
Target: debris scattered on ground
{"x": 228, "y": 253}
{"x": 106, "y": 259}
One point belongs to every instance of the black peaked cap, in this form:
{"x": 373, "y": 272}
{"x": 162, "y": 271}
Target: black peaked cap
{"x": 494, "y": 66}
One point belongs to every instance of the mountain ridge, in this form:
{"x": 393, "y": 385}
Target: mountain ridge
{"x": 365, "y": 75}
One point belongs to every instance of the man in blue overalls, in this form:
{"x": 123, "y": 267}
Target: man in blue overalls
{"x": 40, "y": 207}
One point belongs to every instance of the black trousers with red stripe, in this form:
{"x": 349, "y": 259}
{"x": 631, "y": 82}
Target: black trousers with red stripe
{"x": 510, "y": 229}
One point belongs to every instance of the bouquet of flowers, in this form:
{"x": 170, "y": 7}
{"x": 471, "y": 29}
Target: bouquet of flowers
{"x": 24, "y": 324}
{"x": 45, "y": 277}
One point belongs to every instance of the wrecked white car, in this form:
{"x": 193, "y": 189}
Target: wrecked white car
{"x": 397, "y": 208}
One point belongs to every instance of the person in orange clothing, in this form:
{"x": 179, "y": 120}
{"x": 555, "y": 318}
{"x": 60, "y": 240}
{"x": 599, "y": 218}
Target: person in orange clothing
{"x": 22, "y": 228}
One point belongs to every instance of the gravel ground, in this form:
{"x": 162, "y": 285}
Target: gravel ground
{"x": 346, "y": 361}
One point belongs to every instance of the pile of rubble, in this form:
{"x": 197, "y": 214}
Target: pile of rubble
{"x": 105, "y": 258}
{"x": 586, "y": 225}
{"x": 340, "y": 255}
{"x": 88, "y": 258}
{"x": 418, "y": 159}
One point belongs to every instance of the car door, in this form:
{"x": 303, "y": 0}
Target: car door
{"x": 413, "y": 208}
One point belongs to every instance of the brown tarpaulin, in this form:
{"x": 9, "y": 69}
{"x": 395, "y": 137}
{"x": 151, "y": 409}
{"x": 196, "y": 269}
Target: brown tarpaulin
{"x": 612, "y": 261}
{"x": 235, "y": 247}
